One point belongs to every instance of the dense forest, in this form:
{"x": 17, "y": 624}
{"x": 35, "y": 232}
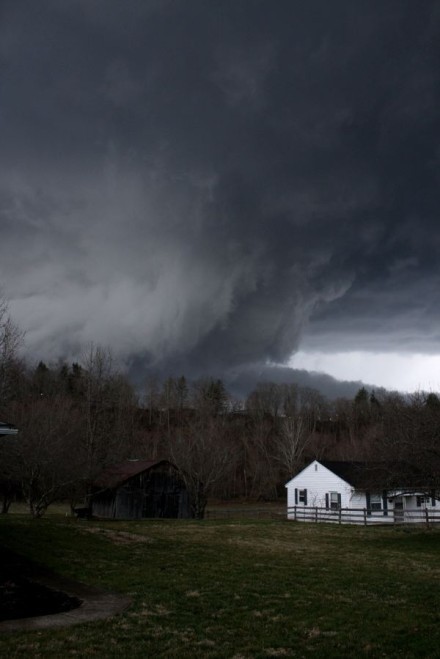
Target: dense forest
{"x": 76, "y": 418}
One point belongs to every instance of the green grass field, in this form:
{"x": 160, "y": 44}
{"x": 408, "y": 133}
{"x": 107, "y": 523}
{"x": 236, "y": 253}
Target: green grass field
{"x": 239, "y": 589}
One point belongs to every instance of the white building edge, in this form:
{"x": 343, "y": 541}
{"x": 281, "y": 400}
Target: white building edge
{"x": 7, "y": 429}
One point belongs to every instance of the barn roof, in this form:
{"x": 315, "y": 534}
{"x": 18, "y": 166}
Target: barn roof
{"x": 115, "y": 475}
{"x": 363, "y": 475}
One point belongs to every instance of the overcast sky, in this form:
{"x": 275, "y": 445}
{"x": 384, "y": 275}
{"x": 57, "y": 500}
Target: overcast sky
{"x": 220, "y": 186}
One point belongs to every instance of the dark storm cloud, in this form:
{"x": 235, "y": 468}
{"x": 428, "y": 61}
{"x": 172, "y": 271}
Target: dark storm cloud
{"x": 205, "y": 185}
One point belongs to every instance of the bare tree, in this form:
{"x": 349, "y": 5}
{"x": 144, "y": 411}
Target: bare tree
{"x": 209, "y": 397}
{"x": 266, "y": 398}
{"x": 45, "y": 460}
{"x": 11, "y": 338}
{"x": 410, "y": 437}
{"x": 201, "y": 453}
{"x": 260, "y": 470}
{"x": 293, "y": 438}
{"x": 108, "y": 404}
{"x": 152, "y": 396}
{"x": 313, "y": 407}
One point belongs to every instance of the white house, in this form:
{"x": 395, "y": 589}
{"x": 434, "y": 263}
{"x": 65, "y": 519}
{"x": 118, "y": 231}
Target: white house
{"x": 349, "y": 492}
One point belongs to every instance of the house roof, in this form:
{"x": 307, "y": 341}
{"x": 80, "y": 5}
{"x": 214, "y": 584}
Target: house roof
{"x": 364, "y": 475}
{"x": 7, "y": 429}
{"x": 115, "y": 475}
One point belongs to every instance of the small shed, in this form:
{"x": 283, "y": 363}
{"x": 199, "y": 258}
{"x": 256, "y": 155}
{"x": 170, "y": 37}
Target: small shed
{"x": 138, "y": 489}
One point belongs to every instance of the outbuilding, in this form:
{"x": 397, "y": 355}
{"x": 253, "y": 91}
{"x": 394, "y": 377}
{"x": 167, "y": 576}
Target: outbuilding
{"x": 138, "y": 489}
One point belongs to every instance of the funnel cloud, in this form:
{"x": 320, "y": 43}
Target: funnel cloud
{"x": 210, "y": 187}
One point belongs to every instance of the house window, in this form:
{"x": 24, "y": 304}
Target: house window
{"x": 300, "y": 497}
{"x": 423, "y": 501}
{"x": 334, "y": 501}
{"x": 375, "y": 502}
{"x": 303, "y": 496}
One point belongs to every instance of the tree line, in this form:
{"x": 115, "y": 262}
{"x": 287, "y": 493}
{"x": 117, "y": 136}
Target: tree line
{"x": 74, "y": 419}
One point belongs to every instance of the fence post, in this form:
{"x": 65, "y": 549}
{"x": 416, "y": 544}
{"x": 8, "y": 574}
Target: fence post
{"x": 427, "y": 518}
{"x": 316, "y": 514}
{"x": 365, "y": 517}
{"x": 340, "y": 515}
{"x": 294, "y": 513}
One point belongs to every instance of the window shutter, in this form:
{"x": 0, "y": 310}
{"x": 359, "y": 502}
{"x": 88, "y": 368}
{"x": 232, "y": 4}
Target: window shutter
{"x": 296, "y": 495}
{"x": 339, "y": 499}
{"x": 305, "y": 497}
{"x": 326, "y": 501}
{"x": 433, "y": 498}
{"x": 368, "y": 499}
{"x": 419, "y": 502}
{"x": 385, "y": 503}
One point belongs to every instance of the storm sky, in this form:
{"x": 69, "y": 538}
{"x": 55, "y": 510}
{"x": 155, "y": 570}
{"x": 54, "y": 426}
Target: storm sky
{"x": 222, "y": 186}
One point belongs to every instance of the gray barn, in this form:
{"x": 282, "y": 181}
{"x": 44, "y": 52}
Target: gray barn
{"x": 138, "y": 489}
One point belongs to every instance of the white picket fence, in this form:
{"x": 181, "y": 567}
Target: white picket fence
{"x": 365, "y": 516}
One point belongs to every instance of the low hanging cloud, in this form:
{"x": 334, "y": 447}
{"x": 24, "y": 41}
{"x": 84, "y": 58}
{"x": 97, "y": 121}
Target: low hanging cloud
{"x": 204, "y": 188}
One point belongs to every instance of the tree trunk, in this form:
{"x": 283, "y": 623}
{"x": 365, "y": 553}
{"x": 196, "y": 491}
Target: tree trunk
{"x": 198, "y": 502}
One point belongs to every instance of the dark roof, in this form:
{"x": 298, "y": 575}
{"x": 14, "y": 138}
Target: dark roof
{"x": 115, "y": 475}
{"x": 7, "y": 429}
{"x": 364, "y": 475}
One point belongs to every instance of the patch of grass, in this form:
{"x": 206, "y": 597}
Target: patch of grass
{"x": 59, "y": 508}
{"x": 239, "y": 589}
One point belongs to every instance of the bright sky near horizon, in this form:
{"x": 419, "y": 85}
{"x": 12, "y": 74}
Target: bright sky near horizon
{"x": 398, "y": 372}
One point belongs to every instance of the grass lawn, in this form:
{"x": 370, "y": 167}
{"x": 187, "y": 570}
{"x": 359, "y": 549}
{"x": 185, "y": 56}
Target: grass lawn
{"x": 239, "y": 589}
